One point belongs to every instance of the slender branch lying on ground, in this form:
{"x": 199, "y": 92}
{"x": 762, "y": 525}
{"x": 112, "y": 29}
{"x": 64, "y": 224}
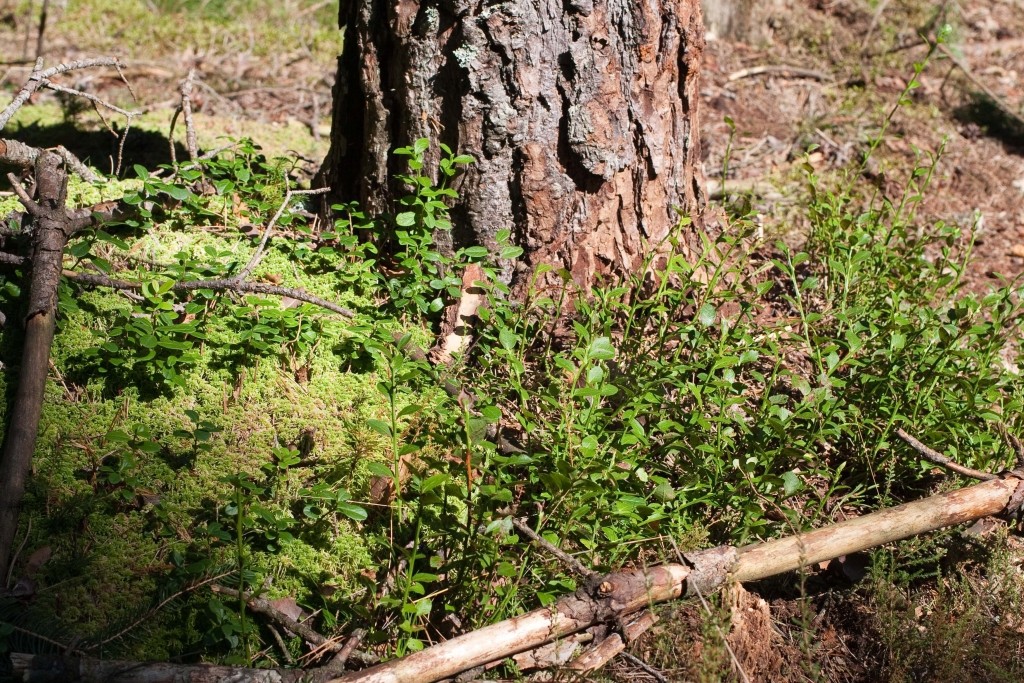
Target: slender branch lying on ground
{"x": 932, "y": 455}
{"x": 645, "y": 667}
{"x": 230, "y": 284}
{"x": 263, "y": 606}
{"x": 779, "y": 70}
{"x": 996, "y": 99}
{"x": 257, "y": 255}
{"x": 613, "y": 597}
{"x": 570, "y": 562}
{"x": 148, "y": 614}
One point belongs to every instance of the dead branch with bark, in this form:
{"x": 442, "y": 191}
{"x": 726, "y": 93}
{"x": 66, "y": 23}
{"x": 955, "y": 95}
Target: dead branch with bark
{"x": 585, "y": 629}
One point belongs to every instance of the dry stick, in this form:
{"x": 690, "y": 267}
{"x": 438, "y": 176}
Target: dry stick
{"x": 779, "y": 70}
{"x": 615, "y": 644}
{"x": 647, "y": 668}
{"x": 56, "y": 87}
{"x": 623, "y": 593}
{"x": 39, "y": 76}
{"x": 1015, "y": 444}
{"x": 257, "y": 255}
{"x": 934, "y": 456}
{"x": 574, "y": 565}
{"x": 153, "y": 610}
{"x": 231, "y": 284}
{"x": 617, "y": 595}
{"x": 87, "y": 670}
{"x": 281, "y": 644}
{"x": 76, "y": 165}
{"x": 186, "y": 109}
{"x": 262, "y": 606}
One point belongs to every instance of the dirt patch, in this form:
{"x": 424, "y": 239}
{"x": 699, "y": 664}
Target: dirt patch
{"x": 851, "y": 67}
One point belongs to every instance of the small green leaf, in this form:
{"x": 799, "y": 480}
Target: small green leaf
{"x": 601, "y": 349}
{"x": 791, "y": 483}
{"x": 381, "y": 427}
{"x": 379, "y": 469}
{"x": 352, "y": 511}
{"x": 707, "y": 315}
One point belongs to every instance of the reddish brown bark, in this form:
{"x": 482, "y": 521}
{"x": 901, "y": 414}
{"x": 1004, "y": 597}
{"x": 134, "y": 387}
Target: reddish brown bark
{"x": 581, "y": 114}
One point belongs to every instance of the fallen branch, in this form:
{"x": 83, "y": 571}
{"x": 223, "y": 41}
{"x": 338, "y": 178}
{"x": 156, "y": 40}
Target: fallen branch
{"x": 40, "y": 79}
{"x": 56, "y": 668}
{"x": 998, "y": 101}
{"x": 619, "y": 594}
{"x": 779, "y": 70}
{"x": 263, "y": 606}
{"x": 611, "y": 599}
{"x": 932, "y": 455}
{"x": 219, "y": 285}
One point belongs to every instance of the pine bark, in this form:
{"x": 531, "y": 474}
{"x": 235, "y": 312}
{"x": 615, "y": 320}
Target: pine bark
{"x": 581, "y": 114}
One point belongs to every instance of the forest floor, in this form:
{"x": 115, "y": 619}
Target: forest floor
{"x": 811, "y": 84}
{"x": 833, "y": 71}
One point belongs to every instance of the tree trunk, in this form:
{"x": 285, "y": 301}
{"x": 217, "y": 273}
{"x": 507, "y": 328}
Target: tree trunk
{"x": 581, "y": 114}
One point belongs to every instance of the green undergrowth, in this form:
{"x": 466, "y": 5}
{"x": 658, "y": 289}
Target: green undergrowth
{"x": 151, "y": 31}
{"x": 743, "y": 389}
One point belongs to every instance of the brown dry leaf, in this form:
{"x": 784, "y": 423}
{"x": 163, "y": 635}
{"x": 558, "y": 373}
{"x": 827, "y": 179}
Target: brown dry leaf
{"x": 288, "y": 607}
{"x": 37, "y": 559}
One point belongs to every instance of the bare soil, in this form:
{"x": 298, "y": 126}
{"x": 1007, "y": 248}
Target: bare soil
{"x": 862, "y": 60}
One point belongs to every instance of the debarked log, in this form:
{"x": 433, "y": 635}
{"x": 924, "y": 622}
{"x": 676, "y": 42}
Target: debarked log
{"x": 609, "y": 599}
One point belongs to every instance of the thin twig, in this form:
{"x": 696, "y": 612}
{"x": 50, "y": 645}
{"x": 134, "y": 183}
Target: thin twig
{"x": 341, "y": 657}
{"x": 233, "y": 285}
{"x": 937, "y": 458}
{"x": 571, "y": 563}
{"x": 153, "y": 610}
{"x": 257, "y": 255}
{"x": 647, "y": 668}
{"x": 14, "y": 560}
{"x": 186, "y": 109}
{"x": 56, "y": 87}
{"x": 996, "y": 99}
{"x": 76, "y": 165}
{"x": 779, "y": 70}
{"x": 1014, "y": 443}
{"x": 262, "y": 606}
{"x": 281, "y": 644}
{"x": 39, "y": 77}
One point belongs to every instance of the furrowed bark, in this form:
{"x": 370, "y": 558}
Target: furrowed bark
{"x": 581, "y": 115}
